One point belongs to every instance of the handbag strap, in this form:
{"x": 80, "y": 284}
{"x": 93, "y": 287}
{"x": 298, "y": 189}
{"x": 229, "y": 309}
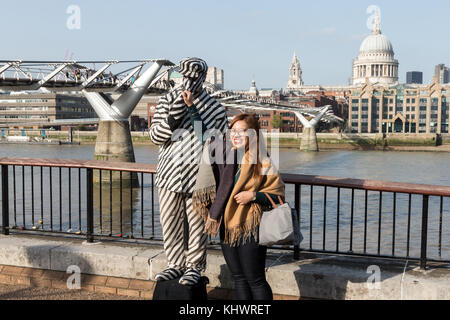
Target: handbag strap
{"x": 271, "y": 200}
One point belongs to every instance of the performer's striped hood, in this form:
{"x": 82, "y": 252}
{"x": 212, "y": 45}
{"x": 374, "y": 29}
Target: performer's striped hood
{"x": 194, "y": 74}
{"x": 193, "y": 67}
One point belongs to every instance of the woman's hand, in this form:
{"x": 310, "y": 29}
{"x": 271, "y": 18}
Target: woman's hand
{"x": 244, "y": 197}
{"x": 188, "y": 98}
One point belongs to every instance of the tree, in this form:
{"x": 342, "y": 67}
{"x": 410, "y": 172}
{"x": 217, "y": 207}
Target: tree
{"x": 277, "y": 121}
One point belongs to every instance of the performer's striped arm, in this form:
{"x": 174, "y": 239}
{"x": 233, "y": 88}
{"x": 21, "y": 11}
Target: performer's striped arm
{"x": 160, "y": 131}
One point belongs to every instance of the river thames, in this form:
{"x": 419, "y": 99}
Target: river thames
{"x": 411, "y": 167}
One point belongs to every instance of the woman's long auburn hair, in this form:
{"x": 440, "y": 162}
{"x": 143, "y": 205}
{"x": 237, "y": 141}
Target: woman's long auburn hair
{"x": 253, "y": 123}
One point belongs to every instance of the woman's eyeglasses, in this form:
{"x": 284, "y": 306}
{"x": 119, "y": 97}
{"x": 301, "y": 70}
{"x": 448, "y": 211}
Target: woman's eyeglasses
{"x": 237, "y": 132}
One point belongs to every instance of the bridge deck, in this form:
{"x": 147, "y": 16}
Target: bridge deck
{"x": 67, "y": 85}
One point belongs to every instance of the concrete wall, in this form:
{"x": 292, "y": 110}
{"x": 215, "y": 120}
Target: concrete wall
{"x": 445, "y": 138}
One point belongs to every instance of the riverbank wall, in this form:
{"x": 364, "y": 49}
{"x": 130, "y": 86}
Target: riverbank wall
{"x": 326, "y": 141}
{"x": 129, "y": 269}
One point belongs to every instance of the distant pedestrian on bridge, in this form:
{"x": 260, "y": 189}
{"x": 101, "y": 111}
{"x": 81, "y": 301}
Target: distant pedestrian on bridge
{"x": 172, "y": 128}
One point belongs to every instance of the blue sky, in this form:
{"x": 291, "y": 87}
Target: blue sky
{"x": 246, "y": 38}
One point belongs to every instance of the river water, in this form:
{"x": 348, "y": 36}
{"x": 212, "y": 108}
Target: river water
{"x": 413, "y": 167}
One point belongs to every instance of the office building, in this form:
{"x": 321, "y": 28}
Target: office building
{"x": 414, "y": 77}
{"x": 442, "y": 74}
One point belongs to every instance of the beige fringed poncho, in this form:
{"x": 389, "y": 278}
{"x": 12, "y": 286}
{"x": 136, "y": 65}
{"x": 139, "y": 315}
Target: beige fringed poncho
{"x": 216, "y": 203}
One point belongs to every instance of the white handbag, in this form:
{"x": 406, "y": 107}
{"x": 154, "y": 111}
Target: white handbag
{"x": 279, "y": 226}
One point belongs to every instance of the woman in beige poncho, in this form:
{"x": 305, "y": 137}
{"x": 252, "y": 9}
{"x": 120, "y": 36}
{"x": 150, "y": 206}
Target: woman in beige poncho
{"x": 233, "y": 200}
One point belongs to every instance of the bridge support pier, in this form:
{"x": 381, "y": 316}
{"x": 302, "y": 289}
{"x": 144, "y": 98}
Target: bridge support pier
{"x": 309, "y": 136}
{"x": 114, "y": 143}
{"x": 309, "y": 140}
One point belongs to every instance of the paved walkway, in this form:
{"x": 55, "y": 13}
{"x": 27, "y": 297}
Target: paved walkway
{"x": 16, "y": 292}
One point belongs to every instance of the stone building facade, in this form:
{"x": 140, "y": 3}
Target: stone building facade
{"x": 215, "y": 76}
{"x": 401, "y": 108}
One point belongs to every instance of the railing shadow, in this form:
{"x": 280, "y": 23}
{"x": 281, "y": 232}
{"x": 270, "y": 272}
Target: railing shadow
{"x": 71, "y": 262}
{"x": 340, "y": 278}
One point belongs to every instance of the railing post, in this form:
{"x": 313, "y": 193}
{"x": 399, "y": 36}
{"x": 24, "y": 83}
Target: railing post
{"x": 297, "y": 209}
{"x": 90, "y": 204}
{"x": 423, "y": 248}
{"x": 5, "y": 200}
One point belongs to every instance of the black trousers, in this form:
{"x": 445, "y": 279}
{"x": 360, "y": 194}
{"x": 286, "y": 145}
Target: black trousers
{"x": 247, "y": 265}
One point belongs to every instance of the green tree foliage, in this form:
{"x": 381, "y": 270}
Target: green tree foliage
{"x": 277, "y": 121}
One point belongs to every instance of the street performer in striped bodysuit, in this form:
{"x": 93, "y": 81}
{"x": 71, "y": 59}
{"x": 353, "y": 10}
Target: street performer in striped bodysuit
{"x": 172, "y": 128}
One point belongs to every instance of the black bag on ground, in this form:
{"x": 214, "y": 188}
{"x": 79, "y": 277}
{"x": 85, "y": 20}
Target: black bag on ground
{"x": 172, "y": 290}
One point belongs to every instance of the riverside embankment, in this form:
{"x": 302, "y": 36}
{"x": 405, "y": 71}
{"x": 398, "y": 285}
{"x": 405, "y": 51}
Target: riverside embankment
{"x": 326, "y": 141}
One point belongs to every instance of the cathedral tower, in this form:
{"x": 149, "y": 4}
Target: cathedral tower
{"x": 295, "y": 75}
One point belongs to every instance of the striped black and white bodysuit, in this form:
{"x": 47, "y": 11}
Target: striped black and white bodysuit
{"x": 179, "y": 156}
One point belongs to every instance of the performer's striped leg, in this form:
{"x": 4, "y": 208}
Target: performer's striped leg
{"x": 171, "y": 217}
{"x": 196, "y": 254}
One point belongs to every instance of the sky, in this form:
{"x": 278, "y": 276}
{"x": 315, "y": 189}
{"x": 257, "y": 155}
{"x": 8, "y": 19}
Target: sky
{"x": 248, "y": 39}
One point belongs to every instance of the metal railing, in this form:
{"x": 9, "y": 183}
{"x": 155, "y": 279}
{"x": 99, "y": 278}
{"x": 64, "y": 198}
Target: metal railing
{"x": 340, "y": 216}
{"x": 393, "y": 219}
{"x": 70, "y": 202}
